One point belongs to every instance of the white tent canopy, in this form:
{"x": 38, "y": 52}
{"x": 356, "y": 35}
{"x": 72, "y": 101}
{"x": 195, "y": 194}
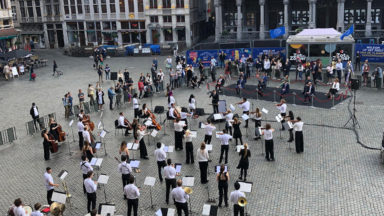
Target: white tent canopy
{"x": 319, "y": 36}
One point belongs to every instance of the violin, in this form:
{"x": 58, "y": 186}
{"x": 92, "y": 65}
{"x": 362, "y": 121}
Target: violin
{"x": 154, "y": 122}
{"x": 61, "y": 133}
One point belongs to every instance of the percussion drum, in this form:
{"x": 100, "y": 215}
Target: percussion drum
{"x": 28, "y": 210}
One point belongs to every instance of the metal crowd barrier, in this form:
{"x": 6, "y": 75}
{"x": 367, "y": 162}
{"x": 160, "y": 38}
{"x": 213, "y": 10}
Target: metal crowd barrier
{"x": 8, "y": 136}
{"x": 41, "y": 123}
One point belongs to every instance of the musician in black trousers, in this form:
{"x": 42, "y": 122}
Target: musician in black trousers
{"x": 125, "y": 170}
{"x": 170, "y": 178}
{"x": 215, "y": 101}
{"x": 80, "y": 129}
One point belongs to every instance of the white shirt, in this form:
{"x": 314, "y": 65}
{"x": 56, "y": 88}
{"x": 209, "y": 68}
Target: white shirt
{"x": 192, "y": 104}
{"x": 179, "y": 67}
{"x": 169, "y": 60}
{"x": 36, "y": 113}
{"x": 90, "y": 185}
{"x": 202, "y": 155}
{"x": 171, "y": 101}
{"x": 179, "y": 195}
{"x": 268, "y": 134}
{"x": 169, "y": 172}
{"x": 48, "y": 179}
{"x": 37, "y": 213}
{"x": 235, "y": 196}
{"x": 85, "y": 167}
{"x": 160, "y": 154}
{"x": 225, "y": 138}
{"x": 124, "y": 168}
{"x": 282, "y": 108}
{"x": 171, "y": 112}
{"x": 80, "y": 126}
{"x": 161, "y": 75}
{"x": 229, "y": 117}
{"x": 213, "y": 62}
{"x": 141, "y": 134}
{"x": 86, "y": 136}
{"x": 267, "y": 64}
{"x": 339, "y": 66}
{"x": 188, "y": 138}
{"x": 336, "y": 85}
{"x": 121, "y": 121}
{"x": 179, "y": 126}
{"x": 298, "y": 126}
{"x": 135, "y": 103}
{"x": 131, "y": 191}
{"x": 19, "y": 211}
{"x": 209, "y": 128}
{"x": 245, "y": 106}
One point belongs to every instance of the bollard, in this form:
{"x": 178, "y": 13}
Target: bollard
{"x": 294, "y": 99}
{"x": 274, "y": 96}
{"x": 333, "y": 103}
{"x": 312, "y": 101}
{"x": 257, "y": 94}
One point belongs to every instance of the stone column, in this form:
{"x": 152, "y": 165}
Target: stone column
{"x": 46, "y": 39}
{"x": 65, "y": 34}
{"x": 239, "y": 20}
{"x": 368, "y": 23}
{"x": 188, "y": 31}
{"x": 262, "y": 25}
{"x": 136, "y": 8}
{"x": 340, "y": 15}
{"x": 85, "y": 32}
{"x": 286, "y": 23}
{"x": 218, "y": 20}
{"x": 119, "y": 36}
{"x": 161, "y": 30}
{"x": 312, "y": 13}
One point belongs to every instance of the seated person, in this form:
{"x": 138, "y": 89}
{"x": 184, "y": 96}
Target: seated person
{"x": 202, "y": 79}
{"x": 220, "y": 82}
{"x": 264, "y": 81}
{"x": 309, "y": 90}
{"x": 144, "y": 111}
{"x": 194, "y": 81}
{"x": 334, "y": 88}
{"x": 124, "y": 123}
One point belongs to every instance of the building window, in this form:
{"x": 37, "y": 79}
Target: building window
{"x": 250, "y": 19}
{"x": 180, "y": 3}
{"x": 103, "y": 6}
{"x": 131, "y": 6}
{"x": 79, "y": 7}
{"x": 112, "y": 6}
{"x": 57, "y": 9}
{"x": 48, "y": 9}
{"x": 37, "y": 6}
{"x": 180, "y": 18}
{"x": 122, "y": 6}
{"x": 168, "y": 35}
{"x": 358, "y": 16}
{"x": 86, "y": 6}
{"x": 95, "y": 7}
{"x": 152, "y": 3}
{"x": 167, "y": 19}
{"x": 140, "y": 5}
{"x": 73, "y": 7}
{"x": 154, "y": 19}
{"x": 166, "y": 3}
{"x": 30, "y": 8}
{"x": 66, "y": 7}
{"x": 5, "y": 22}
{"x": 300, "y": 17}
{"x": 3, "y": 4}
{"x": 14, "y": 16}
{"x": 22, "y": 9}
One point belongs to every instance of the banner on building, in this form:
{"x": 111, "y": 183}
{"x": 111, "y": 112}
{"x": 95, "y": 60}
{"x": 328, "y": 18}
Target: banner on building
{"x": 205, "y": 56}
{"x": 372, "y": 52}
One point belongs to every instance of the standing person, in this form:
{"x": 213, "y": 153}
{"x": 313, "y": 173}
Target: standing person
{"x": 160, "y": 156}
{"x": 124, "y": 149}
{"x": 18, "y": 209}
{"x": 125, "y": 170}
{"x": 49, "y": 184}
{"x": 46, "y": 143}
{"x": 268, "y": 137}
{"x": 90, "y": 188}
{"x": 81, "y": 99}
{"x": 160, "y": 78}
{"x": 132, "y": 193}
{"x": 188, "y": 147}
{"x": 136, "y": 106}
{"x": 299, "y": 140}
{"x": 213, "y": 69}
{"x": 87, "y": 150}
{"x": 170, "y": 178}
{"x": 34, "y": 112}
{"x": 107, "y": 71}
{"x": 91, "y": 94}
{"x": 379, "y": 77}
{"x": 365, "y": 72}
{"x": 339, "y": 69}
{"x": 192, "y": 103}
{"x": 209, "y": 128}
{"x": 141, "y": 132}
{"x": 100, "y": 99}
{"x": 287, "y": 68}
{"x": 228, "y": 121}
{"x": 54, "y": 67}
{"x": 282, "y": 107}
{"x": 224, "y": 140}
{"x": 215, "y": 101}
{"x": 179, "y": 131}
{"x": 267, "y": 66}
{"x": 244, "y": 162}
{"x": 290, "y": 117}
{"x": 235, "y": 196}
{"x": 258, "y": 117}
{"x": 223, "y": 178}
{"x": 348, "y": 71}
{"x": 111, "y": 94}
{"x": 180, "y": 197}
{"x": 245, "y": 105}
{"x": 309, "y": 91}
{"x": 85, "y": 167}
{"x": 80, "y": 130}
{"x": 100, "y": 73}
{"x": 222, "y": 57}
{"x": 357, "y": 61}
{"x": 236, "y": 130}
{"x": 202, "y": 157}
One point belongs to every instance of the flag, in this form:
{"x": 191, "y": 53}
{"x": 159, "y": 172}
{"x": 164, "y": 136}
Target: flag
{"x": 277, "y": 32}
{"x": 348, "y": 32}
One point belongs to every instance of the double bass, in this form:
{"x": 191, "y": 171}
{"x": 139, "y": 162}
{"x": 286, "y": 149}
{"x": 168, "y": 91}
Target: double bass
{"x": 61, "y": 133}
{"x": 54, "y": 146}
{"x": 87, "y": 121}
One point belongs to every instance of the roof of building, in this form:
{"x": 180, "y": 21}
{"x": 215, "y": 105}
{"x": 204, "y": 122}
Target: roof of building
{"x": 319, "y": 35}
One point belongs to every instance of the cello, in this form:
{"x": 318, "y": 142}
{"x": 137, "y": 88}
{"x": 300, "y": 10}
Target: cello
{"x": 154, "y": 122}
{"x": 61, "y": 134}
{"x": 87, "y": 121}
{"x": 54, "y": 146}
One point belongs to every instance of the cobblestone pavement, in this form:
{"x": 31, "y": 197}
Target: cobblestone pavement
{"x": 334, "y": 176}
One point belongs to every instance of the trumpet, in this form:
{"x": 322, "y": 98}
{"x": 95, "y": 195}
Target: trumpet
{"x": 66, "y": 190}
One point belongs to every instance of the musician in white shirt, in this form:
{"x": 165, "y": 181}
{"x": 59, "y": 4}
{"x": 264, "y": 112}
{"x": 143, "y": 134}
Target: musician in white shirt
{"x": 85, "y": 167}
{"x": 282, "y": 107}
{"x": 228, "y": 121}
{"x": 224, "y": 140}
{"x": 234, "y": 198}
{"x": 202, "y": 157}
{"x": 37, "y": 212}
{"x": 49, "y": 184}
{"x": 125, "y": 169}
{"x": 160, "y": 156}
{"x": 299, "y": 139}
{"x": 171, "y": 113}
{"x": 209, "y": 128}
{"x": 136, "y": 106}
{"x": 171, "y": 100}
{"x": 90, "y": 187}
{"x": 141, "y": 132}
{"x": 132, "y": 193}
{"x": 122, "y": 123}
{"x": 179, "y": 128}
{"x": 245, "y": 105}
{"x": 188, "y": 147}
{"x": 80, "y": 129}
{"x": 192, "y": 103}
{"x": 268, "y": 137}
{"x": 170, "y": 178}
{"x": 180, "y": 197}
{"x": 18, "y": 209}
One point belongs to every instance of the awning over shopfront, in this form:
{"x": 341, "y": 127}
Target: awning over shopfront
{"x": 8, "y": 33}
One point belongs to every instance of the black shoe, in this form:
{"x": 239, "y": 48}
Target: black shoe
{"x": 226, "y": 204}
{"x": 290, "y": 140}
{"x": 245, "y": 179}
{"x": 273, "y": 159}
{"x": 219, "y": 205}
{"x": 146, "y": 158}
{"x": 240, "y": 177}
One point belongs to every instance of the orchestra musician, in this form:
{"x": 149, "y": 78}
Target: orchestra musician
{"x": 202, "y": 157}
{"x": 257, "y": 123}
{"x": 245, "y": 105}
{"x": 282, "y": 107}
{"x": 18, "y": 208}
{"x": 192, "y": 103}
{"x": 160, "y": 156}
{"x": 170, "y": 178}
{"x": 37, "y": 212}
{"x": 141, "y": 132}
{"x": 268, "y": 137}
{"x": 46, "y": 143}
{"x": 87, "y": 150}
{"x": 171, "y": 99}
{"x": 132, "y": 193}
{"x": 172, "y": 112}
{"x": 228, "y": 121}
{"x": 125, "y": 170}
{"x": 299, "y": 140}
{"x": 215, "y": 101}
{"x": 188, "y": 147}
{"x": 87, "y": 135}
{"x": 209, "y": 128}
{"x": 145, "y": 113}
{"x": 53, "y": 126}
{"x": 124, "y": 123}
{"x": 49, "y": 184}
{"x": 135, "y": 103}
{"x": 180, "y": 197}
{"x": 85, "y": 167}
{"x": 179, "y": 132}
{"x": 124, "y": 149}
{"x": 234, "y": 198}
{"x": 90, "y": 187}
{"x": 80, "y": 129}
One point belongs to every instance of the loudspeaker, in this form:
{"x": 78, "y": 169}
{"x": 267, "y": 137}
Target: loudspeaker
{"x": 355, "y": 84}
{"x": 200, "y": 111}
{"x": 159, "y": 109}
{"x": 113, "y": 75}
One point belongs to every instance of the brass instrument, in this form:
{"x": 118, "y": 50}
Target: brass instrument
{"x": 57, "y": 209}
{"x": 66, "y": 190}
{"x": 188, "y": 190}
{"x": 242, "y": 201}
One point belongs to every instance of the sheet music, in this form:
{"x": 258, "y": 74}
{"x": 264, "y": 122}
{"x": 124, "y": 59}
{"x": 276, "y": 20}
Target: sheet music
{"x": 202, "y": 125}
{"x": 178, "y": 168}
{"x": 107, "y": 209}
{"x": 99, "y": 125}
{"x": 159, "y": 213}
{"x": 218, "y": 134}
{"x": 217, "y": 116}
{"x": 154, "y": 133}
{"x": 206, "y": 210}
{"x": 93, "y": 161}
{"x": 129, "y": 145}
{"x": 264, "y": 110}
{"x": 148, "y": 123}
{"x": 208, "y": 147}
{"x": 103, "y": 179}
{"x": 134, "y": 163}
{"x": 278, "y": 119}
{"x": 245, "y": 117}
{"x": 103, "y": 133}
{"x": 150, "y": 181}
{"x": 171, "y": 212}
{"x": 63, "y": 174}
{"x": 165, "y": 148}
{"x": 99, "y": 161}
{"x": 182, "y": 123}
{"x": 188, "y": 181}
{"x": 135, "y": 146}
{"x": 70, "y": 123}
{"x": 59, "y": 197}
{"x": 170, "y": 149}
{"x": 239, "y": 147}
{"x": 245, "y": 187}
{"x": 290, "y": 124}
{"x": 98, "y": 145}
{"x": 193, "y": 134}
{"x": 232, "y": 107}
{"x": 218, "y": 169}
